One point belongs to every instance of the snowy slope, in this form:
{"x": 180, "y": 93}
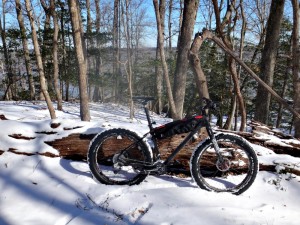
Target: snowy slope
{"x": 41, "y": 190}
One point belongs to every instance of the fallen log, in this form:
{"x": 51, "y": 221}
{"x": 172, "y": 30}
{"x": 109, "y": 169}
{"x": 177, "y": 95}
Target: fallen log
{"x": 264, "y": 136}
{"x": 75, "y": 146}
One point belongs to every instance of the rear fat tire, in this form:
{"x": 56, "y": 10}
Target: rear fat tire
{"x": 94, "y": 157}
{"x": 206, "y": 151}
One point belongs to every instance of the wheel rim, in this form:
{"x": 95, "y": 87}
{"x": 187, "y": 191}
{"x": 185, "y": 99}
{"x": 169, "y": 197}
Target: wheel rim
{"x": 230, "y": 172}
{"x": 108, "y": 152}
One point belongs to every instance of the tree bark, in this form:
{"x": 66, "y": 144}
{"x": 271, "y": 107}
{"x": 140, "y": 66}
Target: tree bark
{"x": 194, "y": 59}
{"x": 268, "y": 60}
{"x": 295, "y": 64}
{"x": 158, "y": 67}
{"x": 39, "y": 61}
{"x": 55, "y": 56}
{"x": 174, "y": 114}
{"x": 9, "y": 93}
{"x": 187, "y": 28}
{"x": 283, "y": 92}
{"x": 96, "y": 94}
{"x": 170, "y": 23}
{"x": 25, "y": 49}
{"x": 128, "y": 67}
{"x": 46, "y": 44}
{"x": 116, "y": 50}
{"x": 81, "y": 58}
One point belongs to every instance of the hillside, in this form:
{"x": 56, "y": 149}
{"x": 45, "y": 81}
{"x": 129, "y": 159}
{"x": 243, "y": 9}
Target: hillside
{"x": 36, "y": 188}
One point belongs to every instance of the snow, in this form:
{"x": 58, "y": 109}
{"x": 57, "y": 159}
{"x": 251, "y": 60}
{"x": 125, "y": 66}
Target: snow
{"x": 41, "y": 190}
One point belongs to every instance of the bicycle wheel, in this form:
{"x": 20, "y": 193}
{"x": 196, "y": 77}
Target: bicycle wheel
{"x": 104, "y": 151}
{"x": 235, "y": 173}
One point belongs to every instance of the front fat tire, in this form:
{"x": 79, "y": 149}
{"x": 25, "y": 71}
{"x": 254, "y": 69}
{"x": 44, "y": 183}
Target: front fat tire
{"x": 241, "y": 174}
{"x": 100, "y": 161}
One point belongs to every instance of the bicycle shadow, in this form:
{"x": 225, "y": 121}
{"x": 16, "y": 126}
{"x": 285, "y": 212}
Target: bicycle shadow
{"x": 179, "y": 182}
{"x": 75, "y": 167}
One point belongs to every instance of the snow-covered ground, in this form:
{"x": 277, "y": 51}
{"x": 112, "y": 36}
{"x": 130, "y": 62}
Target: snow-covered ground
{"x": 41, "y": 190}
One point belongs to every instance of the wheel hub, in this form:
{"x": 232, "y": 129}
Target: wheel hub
{"x": 223, "y": 164}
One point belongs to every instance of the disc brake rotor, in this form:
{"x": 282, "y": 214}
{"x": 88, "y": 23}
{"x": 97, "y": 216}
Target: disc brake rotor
{"x": 223, "y": 165}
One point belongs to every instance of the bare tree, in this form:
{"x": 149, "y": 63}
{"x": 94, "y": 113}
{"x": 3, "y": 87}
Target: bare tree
{"x": 81, "y": 58}
{"x": 55, "y": 56}
{"x": 98, "y": 66}
{"x": 9, "y": 93}
{"x": 116, "y": 59}
{"x": 39, "y": 60}
{"x": 25, "y": 49}
{"x": 295, "y": 63}
{"x": 268, "y": 60}
{"x": 195, "y": 62}
{"x": 231, "y": 62}
{"x": 46, "y": 43}
{"x": 173, "y": 112}
{"x": 170, "y": 23}
{"x": 128, "y": 65}
{"x": 187, "y": 28}
{"x": 158, "y": 67}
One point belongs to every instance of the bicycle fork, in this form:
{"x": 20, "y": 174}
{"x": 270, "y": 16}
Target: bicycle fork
{"x": 223, "y": 164}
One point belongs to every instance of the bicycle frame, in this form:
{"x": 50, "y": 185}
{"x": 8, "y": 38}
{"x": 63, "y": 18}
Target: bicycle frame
{"x": 156, "y": 153}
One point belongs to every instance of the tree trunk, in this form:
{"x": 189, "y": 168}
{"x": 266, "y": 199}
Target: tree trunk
{"x": 25, "y": 49}
{"x": 80, "y": 55}
{"x": 181, "y": 2}
{"x": 241, "y": 51}
{"x": 232, "y": 64}
{"x": 96, "y": 92}
{"x": 39, "y": 60}
{"x": 240, "y": 99}
{"x": 55, "y": 57}
{"x": 295, "y": 64}
{"x": 158, "y": 67}
{"x": 194, "y": 59}
{"x": 268, "y": 60}
{"x": 46, "y": 56}
{"x": 159, "y": 80}
{"x": 63, "y": 69}
{"x": 116, "y": 59}
{"x": 9, "y": 94}
{"x": 170, "y": 24}
{"x": 283, "y": 92}
{"x": 187, "y": 28}
{"x": 89, "y": 57}
{"x": 174, "y": 114}
{"x": 128, "y": 67}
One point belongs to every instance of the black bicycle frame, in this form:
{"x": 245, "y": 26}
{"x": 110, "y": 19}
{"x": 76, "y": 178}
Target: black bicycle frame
{"x": 202, "y": 123}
